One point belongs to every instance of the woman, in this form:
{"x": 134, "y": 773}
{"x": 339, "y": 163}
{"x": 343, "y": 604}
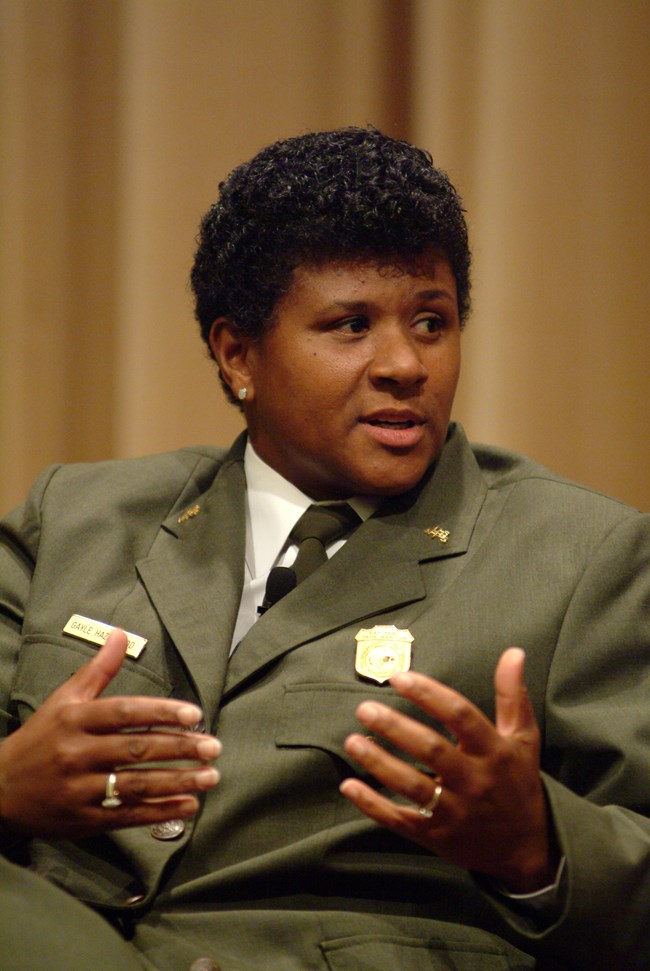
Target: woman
{"x": 332, "y": 284}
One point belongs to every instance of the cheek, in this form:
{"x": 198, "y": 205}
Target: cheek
{"x": 445, "y": 374}
{"x": 329, "y": 386}
{"x": 451, "y": 382}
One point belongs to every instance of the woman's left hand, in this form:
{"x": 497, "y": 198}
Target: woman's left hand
{"x": 490, "y": 813}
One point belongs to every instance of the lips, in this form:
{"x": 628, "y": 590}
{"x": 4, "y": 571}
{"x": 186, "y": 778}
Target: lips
{"x": 394, "y": 428}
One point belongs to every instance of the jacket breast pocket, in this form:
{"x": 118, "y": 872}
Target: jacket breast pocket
{"x": 379, "y": 952}
{"x": 321, "y": 716}
{"x": 46, "y": 662}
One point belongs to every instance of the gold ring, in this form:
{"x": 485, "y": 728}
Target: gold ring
{"x": 428, "y": 808}
{"x": 112, "y": 799}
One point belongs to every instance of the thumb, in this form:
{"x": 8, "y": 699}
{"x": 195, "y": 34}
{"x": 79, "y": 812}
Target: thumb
{"x": 90, "y": 680}
{"x": 514, "y": 712}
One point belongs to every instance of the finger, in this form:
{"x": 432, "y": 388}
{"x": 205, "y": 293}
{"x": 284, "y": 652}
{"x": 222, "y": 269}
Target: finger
{"x": 514, "y": 712}
{"x": 108, "y": 715}
{"x": 156, "y": 784}
{"x": 467, "y": 723}
{"x": 129, "y": 748}
{"x": 143, "y": 813}
{"x": 429, "y": 747}
{"x": 90, "y": 680}
{"x": 396, "y": 775}
{"x": 405, "y": 820}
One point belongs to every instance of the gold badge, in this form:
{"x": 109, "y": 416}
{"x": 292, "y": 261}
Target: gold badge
{"x": 382, "y": 652}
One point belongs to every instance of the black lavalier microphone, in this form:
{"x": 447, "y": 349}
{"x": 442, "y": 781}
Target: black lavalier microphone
{"x": 281, "y": 581}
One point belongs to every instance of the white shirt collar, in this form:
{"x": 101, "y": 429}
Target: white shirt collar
{"x": 274, "y": 506}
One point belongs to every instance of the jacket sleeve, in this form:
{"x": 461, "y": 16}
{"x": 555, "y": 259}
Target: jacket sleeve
{"x": 597, "y": 752}
{"x": 19, "y": 538}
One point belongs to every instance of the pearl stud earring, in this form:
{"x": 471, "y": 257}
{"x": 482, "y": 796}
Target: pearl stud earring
{"x": 241, "y": 394}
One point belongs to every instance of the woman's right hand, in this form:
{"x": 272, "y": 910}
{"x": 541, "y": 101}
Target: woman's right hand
{"x": 54, "y": 769}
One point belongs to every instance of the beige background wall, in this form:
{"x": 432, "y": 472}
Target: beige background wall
{"x": 119, "y": 118}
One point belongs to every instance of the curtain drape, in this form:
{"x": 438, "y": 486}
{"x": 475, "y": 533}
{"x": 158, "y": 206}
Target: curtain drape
{"x": 118, "y": 120}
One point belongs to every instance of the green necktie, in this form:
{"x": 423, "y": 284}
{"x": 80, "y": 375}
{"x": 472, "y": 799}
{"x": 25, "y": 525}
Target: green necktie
{"x": 319, "y": 526}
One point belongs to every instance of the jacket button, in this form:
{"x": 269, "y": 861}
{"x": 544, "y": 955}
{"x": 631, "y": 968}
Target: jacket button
{"x": 204, "y": 964}
{"x": 170, "y": 830}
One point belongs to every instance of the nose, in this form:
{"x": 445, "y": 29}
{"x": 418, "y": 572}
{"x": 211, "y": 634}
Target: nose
{"x": 397, "y": 360}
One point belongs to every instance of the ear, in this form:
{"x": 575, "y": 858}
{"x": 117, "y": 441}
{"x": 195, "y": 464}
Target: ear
{"x": 230, "y": 348}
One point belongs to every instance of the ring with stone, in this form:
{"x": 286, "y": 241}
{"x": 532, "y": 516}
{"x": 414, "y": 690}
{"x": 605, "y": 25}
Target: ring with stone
{"x": 427, "y": 808}
{"x": 111, "y": 800}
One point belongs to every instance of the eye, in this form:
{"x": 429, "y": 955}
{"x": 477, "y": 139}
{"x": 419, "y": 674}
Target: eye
{"x": 429, "y": 326}
{"x": 353, "y": 325}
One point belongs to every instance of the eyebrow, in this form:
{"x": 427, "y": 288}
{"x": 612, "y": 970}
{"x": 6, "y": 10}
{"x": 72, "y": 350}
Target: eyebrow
{"x": 357, "y": 305}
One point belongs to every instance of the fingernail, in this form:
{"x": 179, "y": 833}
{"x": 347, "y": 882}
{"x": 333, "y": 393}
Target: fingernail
{"x": 402, "y": 680}
{"x": 368, "y": 712}
{"x": 208, "y": 748}
{"x": 207, "y": 778}
{"x": 355, "y": 744}
{"x": 187, "y": 807}
{"x": 189, "y": 714}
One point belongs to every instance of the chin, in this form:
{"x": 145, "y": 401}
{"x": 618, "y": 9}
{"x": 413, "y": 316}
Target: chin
{"x": 380, "y": 481}
{"x": 396, "y": 489}
{"x": 390, "y": 485}
{"x": 395, "y": 481}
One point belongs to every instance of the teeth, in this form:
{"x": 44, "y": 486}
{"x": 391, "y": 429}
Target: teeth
{"x": 393, "y": 424}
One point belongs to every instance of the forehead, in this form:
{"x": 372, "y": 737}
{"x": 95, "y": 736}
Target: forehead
{"x": 387, "y": 264}
{"x": 390, "y": 274}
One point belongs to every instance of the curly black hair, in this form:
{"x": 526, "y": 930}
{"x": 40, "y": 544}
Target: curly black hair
{"x": 348, "y": 194}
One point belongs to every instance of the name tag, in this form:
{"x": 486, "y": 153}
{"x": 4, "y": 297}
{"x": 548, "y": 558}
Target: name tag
{"x": 95, "y": 632}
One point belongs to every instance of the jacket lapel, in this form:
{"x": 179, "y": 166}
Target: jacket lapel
{"x": 195, "y": 573}
{"x": 379, "y": 568}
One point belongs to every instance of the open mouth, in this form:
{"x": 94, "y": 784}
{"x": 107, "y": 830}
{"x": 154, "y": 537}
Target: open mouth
{"x": 383, "y": 423}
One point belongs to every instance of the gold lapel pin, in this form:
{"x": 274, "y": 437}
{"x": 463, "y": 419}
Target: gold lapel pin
{"x": 189, "y": 513}
{"x": 438, "y": 533}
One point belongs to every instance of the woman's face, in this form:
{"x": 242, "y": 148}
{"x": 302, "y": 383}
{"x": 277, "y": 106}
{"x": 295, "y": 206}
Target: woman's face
{"x": 350, "y": 391}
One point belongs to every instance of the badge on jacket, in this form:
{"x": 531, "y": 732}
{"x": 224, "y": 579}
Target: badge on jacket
{"x": 382, "y": 651}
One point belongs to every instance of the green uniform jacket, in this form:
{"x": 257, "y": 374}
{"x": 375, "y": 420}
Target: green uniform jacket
{"x": 278, "y": 871}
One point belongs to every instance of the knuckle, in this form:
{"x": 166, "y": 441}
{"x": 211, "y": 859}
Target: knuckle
{"x": 480, "y": 785}
{"x": 165, "y": 713}
{"x": 66, "y": 718}
{"x": 422, "y": 791}
{"x": 137, "y": 747}
{"x": 501, "y": 758}
{"x": 185, "y": 746}
{"x": 460, "y": 713}
{"x": 124, "y": 709}
{"x": 137, "y": 787}
{"x": 188, "y": 782}
{"x": 432, "y": 749}
{"x": 66, "y": 757}
{"x": 477, "y": 789}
